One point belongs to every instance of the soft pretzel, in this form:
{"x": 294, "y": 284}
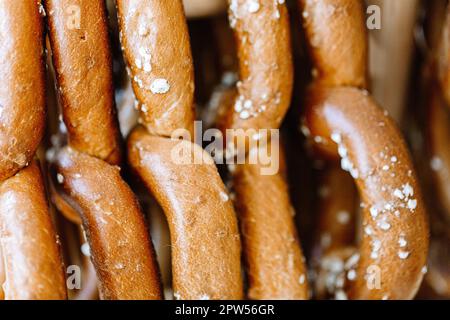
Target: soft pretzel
{"x": 439, "y": 131}
{"x": 443, "y": 58}
{"x": 274, "y": 260}
{"x": 275, "y": 263}
{"x": 161, "y": 69}
{"x": 203, "y": 227}
{"x": 202, "y": 8}
{"x": 265, "y": 67}
{"x": 118, "y": 237}
{"x": 2, "y": 275}
{"x": 336, "y": 220}
{"x": 331, "y": 25}
{"x": 22, "y": 95}
{"x": 82, "y": 61}
{"x": 346, "y": 122}
{"x": 121, "y": 248}
{"x": 394, "y": 219}
{"x": 33, "y": 267}
{"x": 30, "y": 250}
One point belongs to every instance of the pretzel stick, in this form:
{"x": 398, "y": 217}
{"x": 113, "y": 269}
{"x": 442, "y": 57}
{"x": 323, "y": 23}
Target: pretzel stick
{"x": 33, "y": 266}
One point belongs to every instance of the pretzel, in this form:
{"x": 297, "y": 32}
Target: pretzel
{"x": 201, "y": 8}
{"x": 276, "y": 268}
{"x": 265, "y": 68}
{"x": 122, "y": 252}
{"x": 2, "y": 275}
{"x": 439, "y": 130}
{"x": 118, "y": 237}
{"x": 346, "y": 122}
{"x": 335, "y": 234}
{"x": 33, "y": 267}
{"x": 438, "y": 115}
{"x": 22, "y": 96}
{"x": 30, "y": 249}
{"x": 275, "y": 263}
{"x": 203, "y": 227}
{"x": 443, "y": 58}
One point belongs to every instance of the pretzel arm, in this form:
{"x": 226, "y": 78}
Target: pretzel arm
{"x": 275, "y": 263}
{"x": 337, "y": 41}
{"x": 443, "y": 58}
{"x": 31, "y": 252}
{"x": 265, "y": 65}
{"x": 203, "y": 229}
{"x": 22, "y": 93}
{"x": 395, "y": 240}
{"x": 156, "y": 47}
{"x": 118, "y": 237}
{"x": 439, "y": 131}
{"x": 83, "y": 65}
{"x": 201, "y": 8}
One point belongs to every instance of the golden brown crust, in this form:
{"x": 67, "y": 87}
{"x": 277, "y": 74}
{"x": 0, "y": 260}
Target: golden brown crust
{"x": 2, "y": 275}
{"x": 83, "y": 66}
{"x": 203, "y": 228}
{"x": 439, "y": 132}
{"x": 118, "y": 237}
{"x": 336, "y": 210}
{"x": 337, "y": 40}
{"x": 22, "y": 93}
{"x": 275, "y": 263}
{"x": 265, "y": 65}
{"x": 201, "y": 8}
{"x": 31, "y": 252}
{"x": 156, "y": 46}
{"x": 443, "y": 58}
{"x": 395, "y": 239}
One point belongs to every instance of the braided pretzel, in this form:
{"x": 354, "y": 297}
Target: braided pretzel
{"x": 395, "y": 240}
{"x": 119, "y": 241}
{"x": 30, "y": 249}
{"x": 203, "y": 228}
{"x": 275, "y": 264}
